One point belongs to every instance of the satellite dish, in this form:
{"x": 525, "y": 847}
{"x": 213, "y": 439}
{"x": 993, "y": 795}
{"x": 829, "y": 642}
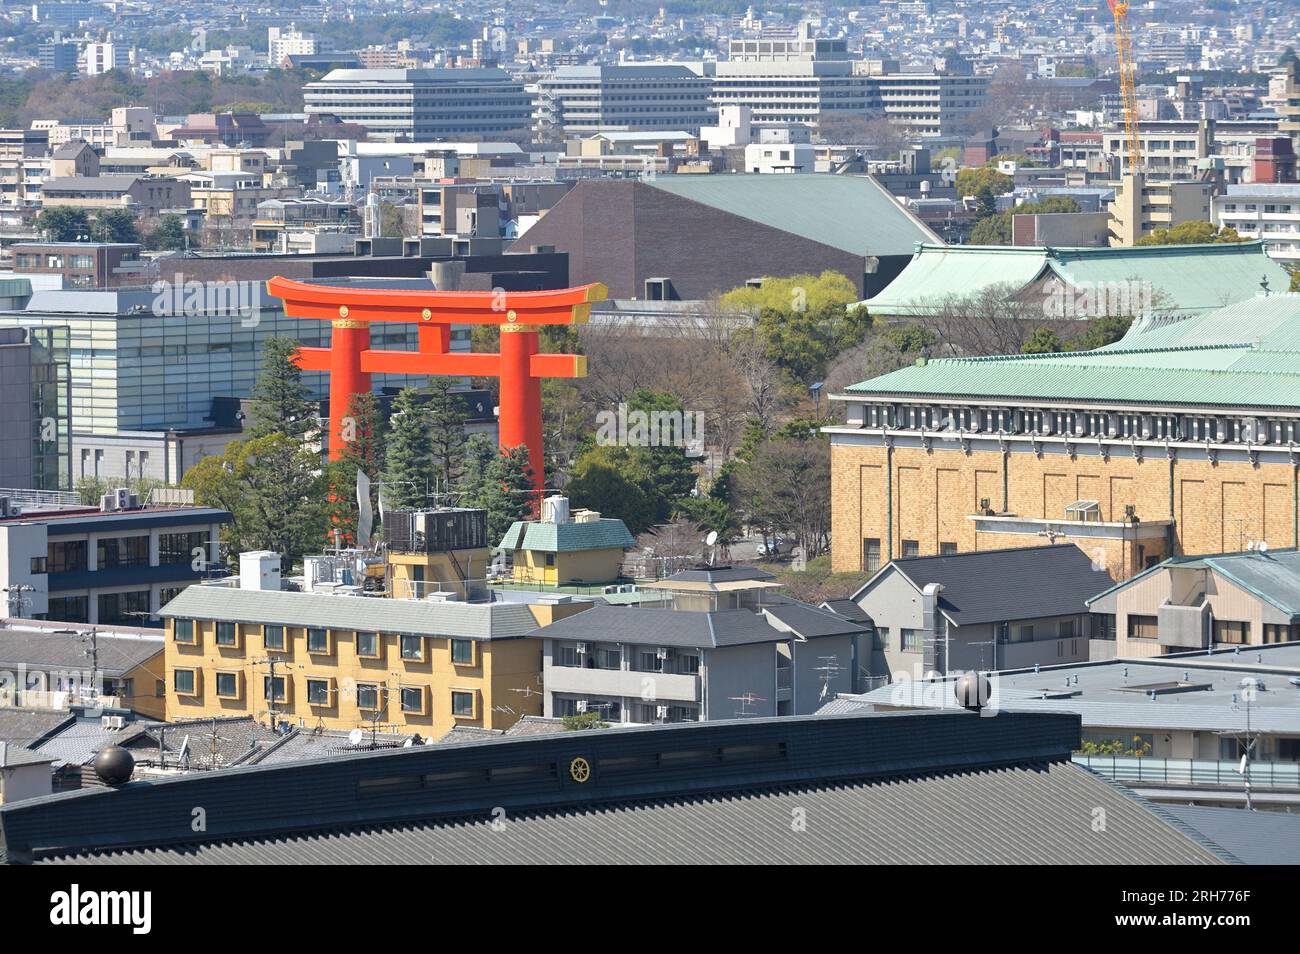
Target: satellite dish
{"x": 711, "y": 539}
{"x": 355, "y": 737}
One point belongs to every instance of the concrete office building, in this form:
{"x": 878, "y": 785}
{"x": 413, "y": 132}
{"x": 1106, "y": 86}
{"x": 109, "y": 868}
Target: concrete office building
{"x": 423, "y": 105}
{"x": 158, "y": 373}
{"x": 1269, "y": 212}
{"x": 116, "y": 564}
{"x": 582, "y": 100}
{"x": 36, "y": 394}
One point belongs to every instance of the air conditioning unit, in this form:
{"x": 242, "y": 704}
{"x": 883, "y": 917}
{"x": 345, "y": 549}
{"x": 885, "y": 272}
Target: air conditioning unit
{"x": 663, "y": 652}
{"x": 112, "y": 722}
{"x": 582, "y": 649}
{"x": 661, "y": 712}
{"x": 580, "y": 706}
{"x": 123, "y": 498}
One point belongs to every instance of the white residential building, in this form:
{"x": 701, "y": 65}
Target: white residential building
{"x": 1264, "y": 211}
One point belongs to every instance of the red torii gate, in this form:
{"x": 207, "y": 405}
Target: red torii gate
{"x": 350, "y": 361}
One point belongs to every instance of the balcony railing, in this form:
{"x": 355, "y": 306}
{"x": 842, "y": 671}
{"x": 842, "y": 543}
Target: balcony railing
{"x": 1126, "y": 768}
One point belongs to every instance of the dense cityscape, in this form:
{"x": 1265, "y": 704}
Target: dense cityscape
{"x": 606, "y": 432}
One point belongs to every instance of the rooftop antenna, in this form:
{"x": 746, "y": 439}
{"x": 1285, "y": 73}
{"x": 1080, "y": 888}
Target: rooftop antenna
{"x": 709, "y": 542}
{"x": 830, "y": 668}
{"x": 746, "y": 699}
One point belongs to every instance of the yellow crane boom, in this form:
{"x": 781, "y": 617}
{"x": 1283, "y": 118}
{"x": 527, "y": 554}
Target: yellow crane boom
{"x": 1127, "y": 82}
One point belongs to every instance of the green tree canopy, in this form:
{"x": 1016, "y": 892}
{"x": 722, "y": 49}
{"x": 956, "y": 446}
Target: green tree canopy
{"x": 499, "y": 482}
{"x": 972, "y": 181}
{"x": 63, "y": 223}
{"x": 274, "y": 490}
{"x": 281, "y": 401}
{"x": 1191, "y": 233}
{"x": 802, "y": 320}
{"x": 613, "y": 480}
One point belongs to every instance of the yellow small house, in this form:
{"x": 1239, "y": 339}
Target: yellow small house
{"x": 562, "y": 551}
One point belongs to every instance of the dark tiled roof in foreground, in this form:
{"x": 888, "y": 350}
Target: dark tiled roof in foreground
{"x": 917, "y": 787}
{"x": 1033, "y": 814}
{"x": 1255, "y": 838}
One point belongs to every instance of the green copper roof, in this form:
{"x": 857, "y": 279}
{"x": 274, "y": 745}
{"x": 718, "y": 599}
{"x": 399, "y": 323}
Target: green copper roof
{"x": 1184, "y": 279}
{"x": 1244, "y": 355}
{"x": 603, "y": 534}
{"x": 852, "y": 213}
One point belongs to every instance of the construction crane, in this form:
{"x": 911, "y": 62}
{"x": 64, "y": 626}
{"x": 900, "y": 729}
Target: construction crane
{"x": 1127, "y": 82}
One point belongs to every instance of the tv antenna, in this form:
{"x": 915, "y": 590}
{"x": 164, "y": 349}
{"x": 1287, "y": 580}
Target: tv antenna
{"x": 746, "y": 699}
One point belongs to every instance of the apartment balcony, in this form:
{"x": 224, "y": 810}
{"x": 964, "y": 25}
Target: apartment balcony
{"x": 667, "y": 687}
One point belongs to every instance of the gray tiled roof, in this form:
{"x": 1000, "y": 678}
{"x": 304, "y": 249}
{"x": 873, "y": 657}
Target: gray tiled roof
{"x": 419, "y": 617}
{"x": 669, "y": 627}
{"x": 23, "y": 727}
{"x": 849, "y": 610}
{"x": 46, "y": 650}
{"x": 1030, "y": 814}
{"x": 303, "y": 744}
{"x": 988, "y": 586}
{"x": 79, "y": 742}
{"x": 1256, "y": 838}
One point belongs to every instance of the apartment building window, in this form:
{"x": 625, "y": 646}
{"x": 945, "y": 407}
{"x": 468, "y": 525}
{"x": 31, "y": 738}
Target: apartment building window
{"x": 911, "y": 548}
{"x": 69, "y": 609}
{"x": 273, "y": 637}
{"x": 911, "y": 640}
{"x": 871, "y": 555}
{"x": 882, "y": 637}
{"x": 1066, "y": 629}
{"x": 318, "y": 692}
{"x": 1281, "y": 632}
{"x": 274, "y": 689}
{"x": 174, "y": 548}
{"x": 565, "y": 654}
{"x": 184, "y": 682}
{"x": 1231, "y": 631}
{"x": 227, "y": 685}
{"x": 412, "y": 647}
{"x": 368, "y": 697}
{"x": 462, "y": 704}
{"x": 462, "y": 652}
{"x": 412, "y": 699}
{"x": 947, "y": 549}
{"x": 66, "y": 556}
{"x": 368, "y": 645}
{"x": 606, "y": 658}
{"x": 227, "y": 635}
{"x": 688, "y": 664}
{"x": 183, "y": 630}
{"x": 650, "y": 661}
{"x": 318, "y": 640}
{"x": 116, "y": 552}
{"x": 1143, "y": 627}
{"x": 129, "y": 609}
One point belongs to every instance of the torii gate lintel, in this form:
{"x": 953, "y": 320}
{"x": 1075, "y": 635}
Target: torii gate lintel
{"x": 350, "y": 361}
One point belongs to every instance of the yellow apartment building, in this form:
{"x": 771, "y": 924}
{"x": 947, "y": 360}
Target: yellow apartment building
{"x": 344, "y": 662}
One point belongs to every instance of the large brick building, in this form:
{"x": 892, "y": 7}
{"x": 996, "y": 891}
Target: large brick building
{"x": 1181, "y": 438}
{"x": 683, "y": 237}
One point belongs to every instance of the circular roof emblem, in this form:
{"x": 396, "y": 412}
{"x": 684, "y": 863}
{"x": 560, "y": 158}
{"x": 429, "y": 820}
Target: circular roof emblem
{"x": 580, "y": 770}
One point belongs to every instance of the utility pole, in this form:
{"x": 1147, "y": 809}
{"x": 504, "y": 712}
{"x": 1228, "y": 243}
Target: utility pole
{"x": 16, "y": 600}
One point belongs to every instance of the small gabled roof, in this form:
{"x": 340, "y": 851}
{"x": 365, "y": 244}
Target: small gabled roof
{"x": 991, "y": 586}
{"x": 1272, "y": 576}
{"x": 607, "y": 533}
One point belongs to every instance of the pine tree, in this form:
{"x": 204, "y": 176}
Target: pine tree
{"x": 363, "y": 442}
{"x": 409, "y": 456}
{"x": 446, "y": 432}
{"x": 499, "y": 482}
{"x": 282, "y": 403}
